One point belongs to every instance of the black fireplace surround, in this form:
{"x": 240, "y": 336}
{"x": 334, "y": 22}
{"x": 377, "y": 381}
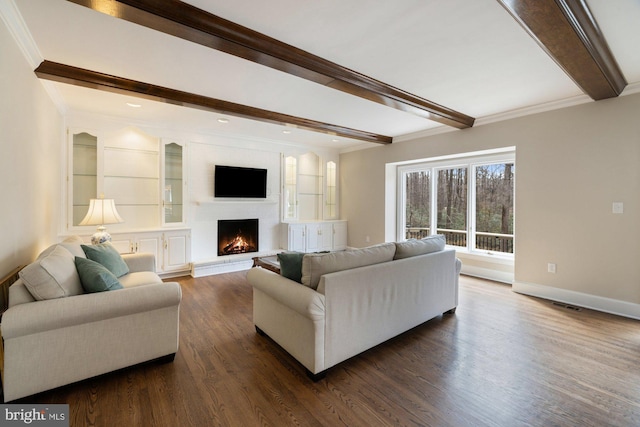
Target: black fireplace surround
{"x": 237, "y": 236}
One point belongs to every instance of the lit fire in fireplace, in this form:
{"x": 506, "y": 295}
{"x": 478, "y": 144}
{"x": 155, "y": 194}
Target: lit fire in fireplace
{"x": 238, "y": 245}
{"x": 237, "y": 236}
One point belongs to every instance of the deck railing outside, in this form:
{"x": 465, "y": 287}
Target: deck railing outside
{"x": 493, "y": 242}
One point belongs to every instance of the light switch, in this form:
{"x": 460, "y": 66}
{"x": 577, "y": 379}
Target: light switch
{"x": 618, "y": 207}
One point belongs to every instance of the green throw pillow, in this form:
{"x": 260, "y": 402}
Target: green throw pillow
{"x": 95, "y": 277}
{"x": 291, "y": 265}
{"x": 107, "y": 255}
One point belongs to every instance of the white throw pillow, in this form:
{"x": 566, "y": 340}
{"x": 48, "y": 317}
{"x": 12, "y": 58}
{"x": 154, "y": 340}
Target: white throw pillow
{"x": 52, "y": 275}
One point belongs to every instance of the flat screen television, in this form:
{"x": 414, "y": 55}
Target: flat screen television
{"x": 239, "y": 182}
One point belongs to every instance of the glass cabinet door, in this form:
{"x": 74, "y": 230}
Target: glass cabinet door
{"x": 309, "y": 187}
{"x": 173, "y": 184}
{"x": 84, "y": 179}
{"x": 290, "y": 202}
{"x": 331, "y": 198}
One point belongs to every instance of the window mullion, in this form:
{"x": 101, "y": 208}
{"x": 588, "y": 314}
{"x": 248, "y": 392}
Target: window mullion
{"x": 434, "y": 201}
{"x": 471, "y": 199}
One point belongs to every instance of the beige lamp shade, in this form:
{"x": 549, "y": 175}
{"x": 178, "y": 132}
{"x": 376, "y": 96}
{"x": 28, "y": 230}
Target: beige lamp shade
{"x": 101, "y": 212}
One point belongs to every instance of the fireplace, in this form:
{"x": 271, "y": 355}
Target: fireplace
{"x": 237, "y": 236}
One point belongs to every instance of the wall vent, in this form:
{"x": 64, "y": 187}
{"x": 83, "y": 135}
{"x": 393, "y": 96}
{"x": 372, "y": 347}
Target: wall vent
{"x": 567, "y": 306}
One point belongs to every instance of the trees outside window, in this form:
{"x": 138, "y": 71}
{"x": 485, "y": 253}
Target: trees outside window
{"x": 418, "y": 204}
{"x": 494, "y": 207}
{"x": 470, "y": 202}
{"x": 452, "y": 205}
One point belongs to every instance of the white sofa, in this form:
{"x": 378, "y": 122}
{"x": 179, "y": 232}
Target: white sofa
{"x": 68, "y": 335}
{"x": 363, "y": 297}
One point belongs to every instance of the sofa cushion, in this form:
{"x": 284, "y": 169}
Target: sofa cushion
{"x": 52, "y": 275}
{"x": 291, "y": 265}
{"x": 424, "y": 246}
{"x": 316, "y": 265}
{"x": 139, "y": 278}
{"x": 108, "y": 256}
{"x": 95, "y": 277}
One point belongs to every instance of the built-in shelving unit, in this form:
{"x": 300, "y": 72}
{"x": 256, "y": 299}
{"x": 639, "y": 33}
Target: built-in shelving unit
{"x": 84, "y": 166}
{"x": 310, "y": 205}
{"x": 145, "y": 177}
{"x": 331, "y": 194}
{"x": 309, "y": 188}
{"x": 131, "y": 176}
{"x": 172, "y": 196}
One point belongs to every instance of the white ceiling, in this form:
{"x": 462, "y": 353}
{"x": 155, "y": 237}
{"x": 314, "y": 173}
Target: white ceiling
{"x": 468, "y": 55}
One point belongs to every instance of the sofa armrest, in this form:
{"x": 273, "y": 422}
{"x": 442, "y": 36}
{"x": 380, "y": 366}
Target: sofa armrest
{"x": 140, "y": 262}
{"x": 296, "y": 296}
{"x": 41, "y": 316}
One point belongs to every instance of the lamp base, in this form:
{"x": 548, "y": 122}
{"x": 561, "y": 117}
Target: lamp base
{"x": 100, "y": 236}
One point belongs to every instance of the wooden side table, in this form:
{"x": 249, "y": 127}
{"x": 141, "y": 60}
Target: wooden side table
{"x": 268, "y": 262}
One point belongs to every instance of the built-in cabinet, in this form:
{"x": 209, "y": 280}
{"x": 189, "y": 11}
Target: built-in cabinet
{"x": 290, "y": 188}
{"x": 84, "y": 174}
{"x": 130, "y": 164}
{"x": 331, "y": 190}
{"x": 171, "y": 248}
{"x": 314, "y": 236}
{"x": 339, "y": 235}
{"x": 309, "y": 188}
{"x": 146, "y": 178}
{"x": 310, "y": 204}
{"x": 173, "y": 160}
{"x": 176, "y": 250}
{"x": 126, "y": 243}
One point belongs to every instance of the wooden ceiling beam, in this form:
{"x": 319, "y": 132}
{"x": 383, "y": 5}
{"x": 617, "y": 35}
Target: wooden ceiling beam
{"x": 95, "y": 80}
{"x": 567, "y": 31}
{"x": 198, "y": 26}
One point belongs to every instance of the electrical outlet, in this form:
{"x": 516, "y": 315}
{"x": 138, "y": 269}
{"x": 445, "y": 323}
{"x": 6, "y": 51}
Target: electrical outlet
{"x": 618, "y": 208}
{"x": 551, "y": 268}
{"x": 367, "y": 239}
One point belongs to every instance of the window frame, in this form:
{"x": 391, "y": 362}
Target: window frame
{"x": 471, "y": 162}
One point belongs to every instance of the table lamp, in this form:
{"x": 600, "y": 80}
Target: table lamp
{"x": 101, "y": 211}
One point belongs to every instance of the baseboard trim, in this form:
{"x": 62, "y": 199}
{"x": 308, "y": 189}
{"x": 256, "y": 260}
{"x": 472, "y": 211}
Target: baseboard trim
{"x": 487, "y": 273}
{"x": 594, "y": 302}
{"x": 212, "y": 268}
{"x": 226, "y": 264}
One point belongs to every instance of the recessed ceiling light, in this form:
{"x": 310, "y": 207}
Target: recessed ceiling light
{"x": 132, "y": 105}
{"x": 335, "y": 140}
{"x": 223, "y": 120}
{"x": 286, "y": 132}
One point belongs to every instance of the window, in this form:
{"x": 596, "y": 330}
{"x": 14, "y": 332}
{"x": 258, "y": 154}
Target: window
{"x": 451, "y": 202}
{"x": 494, "y": 207}
{"x": 418, "y": 204}
{"x": 468, "y": 200}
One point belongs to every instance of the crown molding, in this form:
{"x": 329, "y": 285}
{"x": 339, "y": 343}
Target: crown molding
{"x": 18, "y": 29}
{"x": 631, "y": 89}
{"x": 507, "y": 115}
{"x": 534, "y": 109}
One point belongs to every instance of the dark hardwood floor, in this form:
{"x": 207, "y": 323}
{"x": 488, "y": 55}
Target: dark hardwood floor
{"x": 502, "y": 359}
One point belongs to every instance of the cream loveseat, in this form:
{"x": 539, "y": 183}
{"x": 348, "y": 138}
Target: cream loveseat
{"x": 55, "y": 333}
{"x": 353, "y": 300}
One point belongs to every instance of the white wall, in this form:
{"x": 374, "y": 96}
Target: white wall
{"x": 30, "y": 164}
{"x": 571, "y": 165}
{"x": 205, "y": 211}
